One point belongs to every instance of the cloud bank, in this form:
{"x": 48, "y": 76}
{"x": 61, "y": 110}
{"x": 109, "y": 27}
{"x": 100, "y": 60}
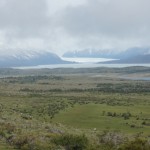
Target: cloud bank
{"x": 64, "y": 25}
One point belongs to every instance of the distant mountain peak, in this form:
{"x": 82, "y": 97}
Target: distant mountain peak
{"x": 30, "y": 59}
{"x": 108, "y": 53}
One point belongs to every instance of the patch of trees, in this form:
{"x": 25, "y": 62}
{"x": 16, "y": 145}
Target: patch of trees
{"x": 31, "y": 79}
{"x": 125, "y": 115}
{"x": 123, "y": 87}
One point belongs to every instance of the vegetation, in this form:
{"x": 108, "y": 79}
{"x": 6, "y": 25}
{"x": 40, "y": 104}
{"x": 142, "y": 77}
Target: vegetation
{"x": 68, "y": 109}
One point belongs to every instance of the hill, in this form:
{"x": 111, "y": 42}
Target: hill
{"x": 30, "y": 59}
{"x": 106, "y": 53}
{"x": 140, "y": 59}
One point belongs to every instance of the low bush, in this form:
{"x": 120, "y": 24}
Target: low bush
{"x": 136, "y": 144}
{"x": 72, "y": 142}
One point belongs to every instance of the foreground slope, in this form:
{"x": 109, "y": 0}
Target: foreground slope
{"x": 75, "y": 109}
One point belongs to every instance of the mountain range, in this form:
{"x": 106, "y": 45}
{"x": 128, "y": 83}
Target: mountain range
{"x": 139, "y": 59}
{"x": 30, "y": 59}
{"x": 106, "y": 53}
{"x": 129, "y": 56}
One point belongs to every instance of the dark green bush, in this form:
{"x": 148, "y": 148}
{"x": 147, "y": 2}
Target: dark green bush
{"x": 72, "y": 142}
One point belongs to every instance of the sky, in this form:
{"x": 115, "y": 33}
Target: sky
{"x": 66, "y": 25}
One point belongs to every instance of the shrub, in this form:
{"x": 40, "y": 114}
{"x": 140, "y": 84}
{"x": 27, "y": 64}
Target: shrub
{"x": 137, "y": 144}
{"x": 111, "y": 140}
{"x": 126, "y": 115}
{"x": 71, "y": 142}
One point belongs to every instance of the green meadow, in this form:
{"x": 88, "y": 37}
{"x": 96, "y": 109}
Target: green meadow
{"x": 92, "y": 116}
{"x": 75, "y": 109}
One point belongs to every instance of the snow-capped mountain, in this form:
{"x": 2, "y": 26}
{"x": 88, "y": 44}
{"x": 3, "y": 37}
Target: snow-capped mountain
{"x": 30, "y": 59}
{"x": 129, "y": 56}
{"x": 139, "y": 59}
{"x": 113, "y": 54}
{"x": 89, "y": 53}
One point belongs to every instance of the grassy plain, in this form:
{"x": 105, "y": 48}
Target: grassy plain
{"x": 37, "y": 107}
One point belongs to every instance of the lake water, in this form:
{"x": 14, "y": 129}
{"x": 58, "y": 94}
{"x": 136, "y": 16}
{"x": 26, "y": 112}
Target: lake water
{"x": 82, "y": 65}
{"x": 136, "y": 78}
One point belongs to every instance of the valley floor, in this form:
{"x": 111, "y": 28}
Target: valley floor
{"x": 75, "y": 109}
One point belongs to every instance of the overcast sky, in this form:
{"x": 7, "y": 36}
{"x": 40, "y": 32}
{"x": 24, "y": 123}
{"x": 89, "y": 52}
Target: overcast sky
{"x": 65, "y": 25}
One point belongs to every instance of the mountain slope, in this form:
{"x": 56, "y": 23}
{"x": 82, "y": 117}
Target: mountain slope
{"x": 89, "y": 53}
{"x": 114, "y": 54}
{"x": 30, "y": 59}
{"x": 140, "y": 59}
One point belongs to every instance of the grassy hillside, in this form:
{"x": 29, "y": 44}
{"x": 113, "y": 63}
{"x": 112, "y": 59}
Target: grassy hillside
{"x": 89, "y": 111}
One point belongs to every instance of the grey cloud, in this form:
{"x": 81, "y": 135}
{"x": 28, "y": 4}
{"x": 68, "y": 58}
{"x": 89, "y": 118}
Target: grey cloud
{"x": 116, "y": 18}
{"x": 23, "y": 18}
{"x": 74, "y": 24}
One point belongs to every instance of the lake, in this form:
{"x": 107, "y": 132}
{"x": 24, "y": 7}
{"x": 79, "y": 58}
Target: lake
{"x": 136, "y": 78}
{"x": 82, "y": 65}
